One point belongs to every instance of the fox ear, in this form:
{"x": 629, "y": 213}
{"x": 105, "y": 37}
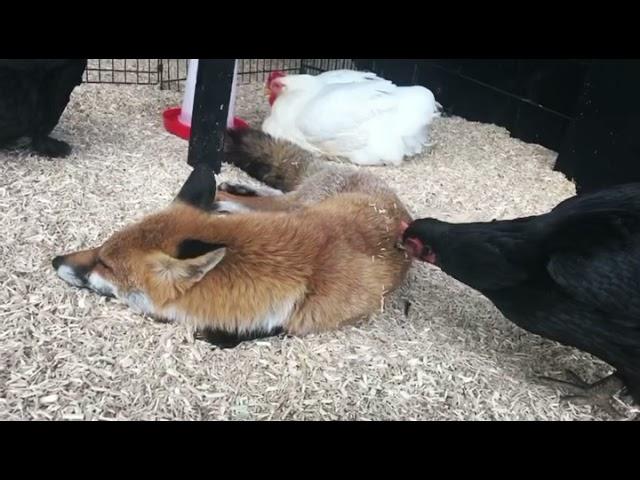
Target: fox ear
{"x": 200, "y": 188}
{"x": 172, "y": 276}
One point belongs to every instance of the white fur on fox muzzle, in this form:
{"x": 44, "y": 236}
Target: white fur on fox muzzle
{"x": 139, "y": 303}
{"x": 93, "y": 281}
{"x": 69, "y": 275}
{"x": 137, "y": 300}
{"x": 101, "y": 286}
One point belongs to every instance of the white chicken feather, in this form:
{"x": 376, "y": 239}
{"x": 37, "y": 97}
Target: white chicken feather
{"x": 347, "y": 76}
{"x": 351, "y": 114}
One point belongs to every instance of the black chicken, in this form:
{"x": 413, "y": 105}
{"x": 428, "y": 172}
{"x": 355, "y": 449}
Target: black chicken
{"x": 33, "y": 95}
{"x": 571, "y": 275}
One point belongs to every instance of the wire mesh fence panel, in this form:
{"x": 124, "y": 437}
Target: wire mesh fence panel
{"x": 319, "y": 65}
{"x": 168, "y": 73}
{"x": 172, "y": 73}
{"x": 123, "y": 71}
{"x": 257, "y": 69}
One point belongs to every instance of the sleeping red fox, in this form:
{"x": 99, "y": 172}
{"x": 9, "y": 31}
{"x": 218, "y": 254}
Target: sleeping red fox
{"x": 243, "y": 266}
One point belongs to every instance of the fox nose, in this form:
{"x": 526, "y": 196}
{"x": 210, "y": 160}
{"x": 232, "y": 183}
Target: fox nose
{"x": 56, "y": 262}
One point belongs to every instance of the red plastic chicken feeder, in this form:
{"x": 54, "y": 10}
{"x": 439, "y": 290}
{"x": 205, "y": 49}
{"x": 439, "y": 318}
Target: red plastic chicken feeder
{"x": 177, "y": 120}
{"x": 173, "y": 125}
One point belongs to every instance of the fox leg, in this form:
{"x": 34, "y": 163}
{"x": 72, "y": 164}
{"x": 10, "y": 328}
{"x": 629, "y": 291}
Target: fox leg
{"x": 246, "y": 201}
{"x": 239, "y": 190}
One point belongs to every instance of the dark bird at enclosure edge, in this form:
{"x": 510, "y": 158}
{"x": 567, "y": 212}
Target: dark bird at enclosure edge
{"x": 33, "y": 96}
{"x": 571, "y": 275}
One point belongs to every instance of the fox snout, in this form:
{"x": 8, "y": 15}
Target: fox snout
{"x": 76, "y": 276}
{"x": 57, "y": 262}
{"x": 81, "y": 276}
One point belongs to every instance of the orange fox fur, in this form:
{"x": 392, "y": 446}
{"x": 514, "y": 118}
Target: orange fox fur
{"x": 313, "y": 259}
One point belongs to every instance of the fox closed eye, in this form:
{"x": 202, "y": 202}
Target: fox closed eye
{"x": 103, "y": 264}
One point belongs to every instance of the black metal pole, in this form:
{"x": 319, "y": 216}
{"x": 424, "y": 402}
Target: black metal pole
{"x": 210, "y": 110}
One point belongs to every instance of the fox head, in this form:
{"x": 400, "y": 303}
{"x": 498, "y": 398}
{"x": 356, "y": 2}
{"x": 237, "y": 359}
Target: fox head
{"x": 152, "y": 263}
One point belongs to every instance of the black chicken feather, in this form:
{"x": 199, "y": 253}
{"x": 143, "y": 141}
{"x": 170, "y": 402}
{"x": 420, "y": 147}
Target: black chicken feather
{"x": 571, "y": 275}
{"x": 33, "y": 96}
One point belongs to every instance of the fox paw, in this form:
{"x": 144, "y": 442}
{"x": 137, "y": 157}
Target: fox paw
{"x": 237, "y": 189}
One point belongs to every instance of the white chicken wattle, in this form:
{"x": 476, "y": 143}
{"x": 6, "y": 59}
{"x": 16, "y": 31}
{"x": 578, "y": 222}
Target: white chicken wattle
{"x": 350, "y": 114}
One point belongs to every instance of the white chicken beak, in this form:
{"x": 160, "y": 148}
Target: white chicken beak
{"x": 267, "y": 91}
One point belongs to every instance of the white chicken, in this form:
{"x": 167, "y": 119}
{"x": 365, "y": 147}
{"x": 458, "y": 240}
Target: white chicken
{"x": 345, "y": 113}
